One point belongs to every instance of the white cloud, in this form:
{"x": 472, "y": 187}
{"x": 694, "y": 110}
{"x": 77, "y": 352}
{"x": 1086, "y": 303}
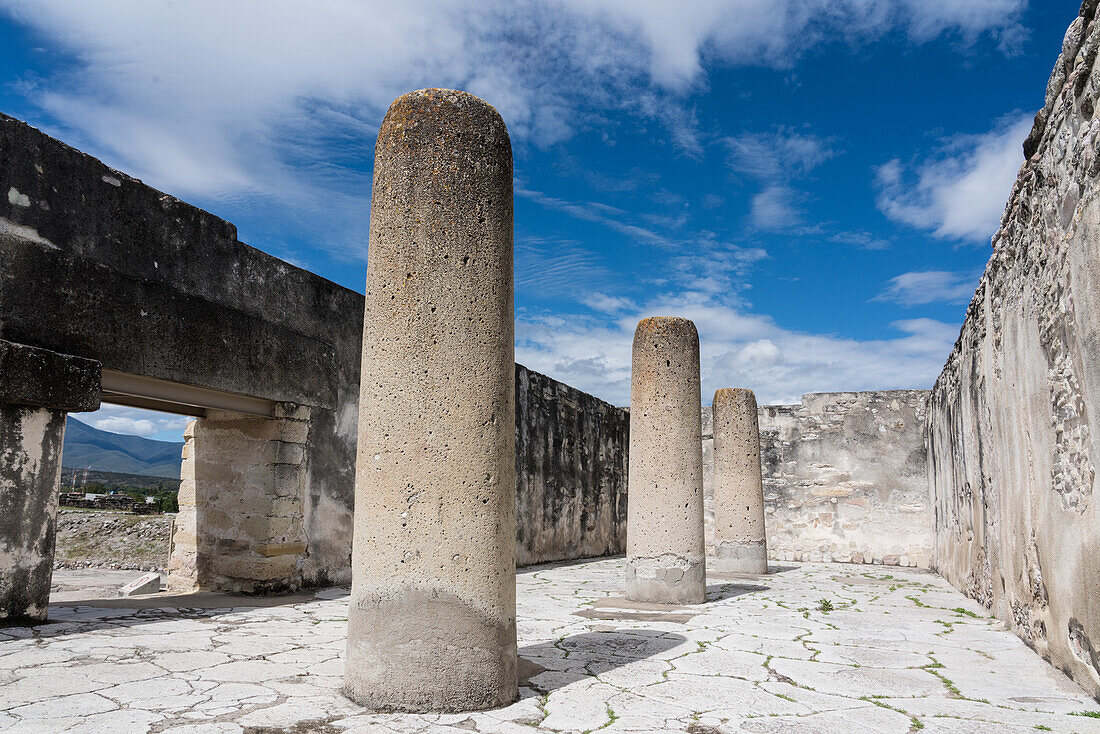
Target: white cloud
{"x": 608, "y": 304}
{"x": 931, "y": 286}
{"x": 762, "y": 353}
{"x": 969, "y": 18}
{"x": 136, "y": 422}
{"x": 713, "y": 201}
{"x": 266, "y": 100}
{"x": 775, "y": 159}
{"x": 776, "y": 208}
{"x": 119, "y": 424}
{"x": 680, "y": 37}
{"x": 862, "y": 240}
{"x": 738, "y": 349}
{"x": 547, "y": 267}
{"x": 723, "y": 263}
{"x": 960, "y": 192}
{"x": 594, "y": 211}
{"x": 779, "y": 155}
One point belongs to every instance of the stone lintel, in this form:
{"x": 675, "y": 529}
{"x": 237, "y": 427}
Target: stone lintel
{"x": 45, "y": 379}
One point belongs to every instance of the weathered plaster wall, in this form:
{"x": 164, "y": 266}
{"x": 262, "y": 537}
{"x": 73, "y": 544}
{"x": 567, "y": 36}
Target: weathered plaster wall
{"x": 571, "y": 470}
{"x": 1012, "y": 450}
{"x": 845, "y": 478}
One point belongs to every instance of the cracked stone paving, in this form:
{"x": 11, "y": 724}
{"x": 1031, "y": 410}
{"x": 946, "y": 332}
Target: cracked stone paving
{"x": 809, "y": 648}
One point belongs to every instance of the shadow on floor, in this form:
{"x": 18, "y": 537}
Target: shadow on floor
{"x": 535, "y": 567}
{"x": 734, "y": 576}
{"x": 88, "y": 615}
{"x": 78, "y": 615}
{"x": 588, "y": 654}
{"x": 721, "y": 592}
{"x": 620, "y": 609}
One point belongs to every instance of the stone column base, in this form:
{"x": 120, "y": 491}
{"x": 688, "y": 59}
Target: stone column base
{"x": 667, "y": 579}
{"x": 734, "y": 557}
{"x": 427, "y": 650}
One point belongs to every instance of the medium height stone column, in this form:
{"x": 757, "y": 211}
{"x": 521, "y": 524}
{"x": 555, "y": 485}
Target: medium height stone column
{"x": 666, "y": 554}
{"x": 738, "y": 486}
{"x": 432, "y": 623}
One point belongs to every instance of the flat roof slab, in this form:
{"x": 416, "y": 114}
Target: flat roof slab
{"x": 900, "y": 651}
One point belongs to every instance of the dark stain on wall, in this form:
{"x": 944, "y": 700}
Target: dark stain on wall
{"x": 571, "y": 467}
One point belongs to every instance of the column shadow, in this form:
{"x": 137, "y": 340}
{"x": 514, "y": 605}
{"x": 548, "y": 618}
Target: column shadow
{"x": 548, "y": 666}
{"x": 729, "y": 590}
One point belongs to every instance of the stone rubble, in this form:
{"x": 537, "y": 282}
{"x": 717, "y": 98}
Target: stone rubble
{"x": 111, "y": 540}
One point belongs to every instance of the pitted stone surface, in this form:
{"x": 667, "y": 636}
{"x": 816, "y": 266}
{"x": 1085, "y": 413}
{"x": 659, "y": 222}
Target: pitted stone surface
{"x": 1013, "y": 418}
{"x": 665, "y": 545}
{"x": 739, "y": 542}
{"x": 900, "y": 651}
{"x": 432, "y": 624}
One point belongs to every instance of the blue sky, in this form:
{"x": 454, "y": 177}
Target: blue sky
{"x": 814, "y": 182}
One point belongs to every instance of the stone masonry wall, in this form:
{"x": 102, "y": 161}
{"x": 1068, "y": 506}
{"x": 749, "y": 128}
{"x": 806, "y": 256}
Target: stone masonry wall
{"x": 1012, "y": 449}
{"x": 571, "y": 467}
{"x": 845, "y": 478}
{"x": 241, "y": 522}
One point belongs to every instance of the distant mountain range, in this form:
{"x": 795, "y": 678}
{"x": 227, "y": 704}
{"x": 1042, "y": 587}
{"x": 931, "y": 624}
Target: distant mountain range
{"x": 90, "y": 448}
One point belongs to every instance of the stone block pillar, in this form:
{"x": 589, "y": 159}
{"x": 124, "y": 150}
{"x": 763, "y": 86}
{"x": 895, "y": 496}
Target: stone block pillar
{"x": 240, "y": 522}
{"x": 38, "y": 388}
{"x": 30, "y": 475}
{"x": 431, "y": 624}
{"x": 666, "y": 552}
{"x": 739, "y": 543}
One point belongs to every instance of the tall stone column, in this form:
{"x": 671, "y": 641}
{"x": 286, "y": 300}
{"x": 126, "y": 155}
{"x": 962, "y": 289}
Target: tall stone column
{"x": 666, "y": 553}
{"x": 739, "y": 544}
{"x": 37, "y": 390}
{"x": 432, "y": 621}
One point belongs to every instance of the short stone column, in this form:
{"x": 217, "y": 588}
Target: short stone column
{"x": 666, "y": 552}
{"x": 739, "y": 544}
{"x": 431, "y": 624}
{"x": 37, "y": 390}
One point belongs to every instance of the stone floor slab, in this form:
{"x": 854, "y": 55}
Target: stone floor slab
{"x": 812, "y": 648}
